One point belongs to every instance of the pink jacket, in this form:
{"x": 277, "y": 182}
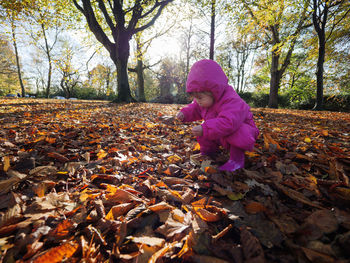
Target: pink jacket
{"x": 228, "y": 113}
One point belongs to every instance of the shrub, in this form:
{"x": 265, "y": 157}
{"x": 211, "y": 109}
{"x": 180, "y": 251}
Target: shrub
{"x": 339, "y": 102}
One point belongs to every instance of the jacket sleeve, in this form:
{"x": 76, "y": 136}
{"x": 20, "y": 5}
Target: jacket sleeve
{"x": 232, "y": 114}
{"x": 191, "y": 112}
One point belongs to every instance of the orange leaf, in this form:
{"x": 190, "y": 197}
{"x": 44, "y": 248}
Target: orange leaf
{"x": 39, "y": 189}
{"x": 254, "y": 207}
{"x": 113, "y": 149}
{"x": 119, "y": 210}
{"x": 208, "y": 215}
{"x": 175, "y": 193}
{"x": 197, "y": 147}
{"x": 167, "y": 171}
{"x": 268, "y": 140}
{"x": 50, "y": 140}
{"x": 252, "y": 154}
{"x": 202, "y": 202}
{"x": 58, "y": 254}
{"x": 210, "y": 170}
{"x": 324, "y": 132}
{"x": 122, "y": 196}
{"x": 62, "y": 229}
{"x": 187, "y": 247}
{"x": 160, "y": 207}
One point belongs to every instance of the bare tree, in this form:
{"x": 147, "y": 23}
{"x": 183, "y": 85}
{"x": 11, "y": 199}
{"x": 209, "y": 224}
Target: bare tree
{"x": 124, "y": 21}
{"x": 323, "y": 12}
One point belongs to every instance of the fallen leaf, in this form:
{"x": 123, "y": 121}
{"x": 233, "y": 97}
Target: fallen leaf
{"x": 315, "y": 256}
{"x": 58, "y": 254}
{"x": 254, "y": 207}
{"x": 147, "y": 240}
{"x": 307, "y": 140}
{"x": 15, "y": 178}
{"x": 6, "y": 163}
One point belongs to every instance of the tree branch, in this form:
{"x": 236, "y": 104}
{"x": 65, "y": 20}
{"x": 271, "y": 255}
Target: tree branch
{"x": 337, "y": 22}
{"x": 94, "y": 25}
{"x": 109, "y": 21}
{"x": 294, "y": 40}
{"x": 160, "y": 9}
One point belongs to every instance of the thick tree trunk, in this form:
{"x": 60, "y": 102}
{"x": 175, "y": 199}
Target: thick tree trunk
{"x": 120, "y": 56}
{"x": 274, "y": 81}
{"x": 124, "y": 93}
{"x": 212, "y": 30}
{"x": 319, "y": 21}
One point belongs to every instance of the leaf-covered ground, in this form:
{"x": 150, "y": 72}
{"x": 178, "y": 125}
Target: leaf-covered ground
{"x": 98, "y": 182}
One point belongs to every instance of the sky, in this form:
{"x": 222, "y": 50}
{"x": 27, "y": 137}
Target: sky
{"x": 166, "y": 45}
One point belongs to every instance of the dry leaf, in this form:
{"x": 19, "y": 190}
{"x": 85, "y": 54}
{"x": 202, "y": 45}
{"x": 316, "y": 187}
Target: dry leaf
{"x": 15, "y": 178}
{"x": 58, "y": 254}
{"x": 254, "y": 207}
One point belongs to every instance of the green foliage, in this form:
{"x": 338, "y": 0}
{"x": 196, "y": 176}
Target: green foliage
{"x": 339, "y": 102}
{"x": 8, "y": 75}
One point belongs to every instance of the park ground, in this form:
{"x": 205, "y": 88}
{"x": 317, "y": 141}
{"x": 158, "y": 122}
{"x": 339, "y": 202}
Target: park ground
{"x": 92, "y": 181}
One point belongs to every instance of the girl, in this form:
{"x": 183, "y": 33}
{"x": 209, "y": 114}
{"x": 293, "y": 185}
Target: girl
{"x": 227, "y": 118}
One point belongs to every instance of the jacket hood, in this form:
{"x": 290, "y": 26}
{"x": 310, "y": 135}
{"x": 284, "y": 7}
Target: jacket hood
{"x": 207, "y": 75}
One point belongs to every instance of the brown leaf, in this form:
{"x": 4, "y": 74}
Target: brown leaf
{"x": 210, "y": 213}
{"x": 161, "y": 207}
{"x": 119, "y": 210}
{"x": 317, "y": 257}
{"x": 62, "y": 229}
{"x": 206, "y": 259}
{"x": 295, "y": 195}
{"x": 13, "y": 215}
{"x": 254, "y": 207}
{"x": 160, "y": 253}
{"x": 252, "y": 249}
{"x": 58, "y": 254}
{"x": 122, "y": 196}
{"x": 324, "y": 220}
{"x": 58, "y": 157}
{"x": 15, "y": 178}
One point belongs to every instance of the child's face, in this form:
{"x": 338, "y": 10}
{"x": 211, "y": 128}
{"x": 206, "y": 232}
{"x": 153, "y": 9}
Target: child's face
{"x": 204, "y": 99}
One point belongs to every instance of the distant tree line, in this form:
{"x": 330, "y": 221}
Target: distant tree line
{"x": 295, "y": 49}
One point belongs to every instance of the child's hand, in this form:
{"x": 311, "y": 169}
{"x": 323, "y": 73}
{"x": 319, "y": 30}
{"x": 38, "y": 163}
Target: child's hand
{"x": 180, "y": 116}
{"x": 197, "y": 130}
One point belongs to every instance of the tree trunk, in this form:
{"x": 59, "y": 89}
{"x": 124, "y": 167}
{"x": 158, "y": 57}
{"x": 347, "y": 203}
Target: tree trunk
{"x": 319, "y": 72}
{"x": 48, "y": 87}
{"x": 47, "y": 49}
{"x": 124, "y": 93}
{"x": 140, "y": 81}
{"x": 274, "y": 81}
{"x": 212, "y": 30}
{"x": 17, "y": 59}
{"x": 120, "y": 56}
{"x": 319, "y": 21}
{"x": 165, "y": 87}
{"x": 139, "y": 70}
